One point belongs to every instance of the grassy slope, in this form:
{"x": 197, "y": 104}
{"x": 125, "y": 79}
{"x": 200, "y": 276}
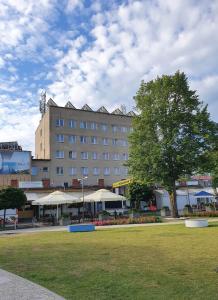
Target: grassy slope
{"x": 161, "y": 262}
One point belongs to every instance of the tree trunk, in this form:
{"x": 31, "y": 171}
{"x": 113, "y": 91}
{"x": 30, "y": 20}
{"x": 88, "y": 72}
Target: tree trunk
{"x": 173, "y": 202}
{"x": 4, "y": 218}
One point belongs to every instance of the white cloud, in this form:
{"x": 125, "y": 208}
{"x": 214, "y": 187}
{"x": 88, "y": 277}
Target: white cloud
{"x": 102, "y": 60}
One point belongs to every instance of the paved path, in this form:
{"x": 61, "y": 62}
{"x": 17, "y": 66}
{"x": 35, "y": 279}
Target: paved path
{"x": 64, "y": 228}
{"x": 13, "y": 287}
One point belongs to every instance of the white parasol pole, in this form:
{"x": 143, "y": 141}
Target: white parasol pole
{"x": 57, "y": 213}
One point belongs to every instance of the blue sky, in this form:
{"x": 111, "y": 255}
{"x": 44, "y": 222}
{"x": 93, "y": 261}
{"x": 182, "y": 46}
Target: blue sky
{"x": 97, "y": 52}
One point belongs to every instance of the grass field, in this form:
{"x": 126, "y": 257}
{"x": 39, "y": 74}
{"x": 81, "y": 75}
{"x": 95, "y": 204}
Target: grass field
{"x": 161, "y": 262}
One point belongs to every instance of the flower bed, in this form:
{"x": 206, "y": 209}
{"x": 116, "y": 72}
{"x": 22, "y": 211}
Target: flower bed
{"x": 203, "y": 214}
{"x": 141, "y": 220}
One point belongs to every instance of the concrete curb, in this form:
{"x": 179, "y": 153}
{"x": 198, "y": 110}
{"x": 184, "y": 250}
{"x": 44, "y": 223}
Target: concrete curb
{"x": 13, "y": 287}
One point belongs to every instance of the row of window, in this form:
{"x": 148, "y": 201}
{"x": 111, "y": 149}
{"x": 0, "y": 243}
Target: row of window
{"x": 94, "y": 140}
{"x": 92, "y": 155}
{"x": 94, "y": 171}
{"x": 92, "y": 125}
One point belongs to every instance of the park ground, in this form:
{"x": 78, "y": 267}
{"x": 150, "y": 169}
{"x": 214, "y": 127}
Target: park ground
{"x": 159, "y": 262}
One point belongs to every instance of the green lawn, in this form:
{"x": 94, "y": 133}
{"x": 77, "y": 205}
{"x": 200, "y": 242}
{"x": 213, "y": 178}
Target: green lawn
{"x": 160, "y": 262}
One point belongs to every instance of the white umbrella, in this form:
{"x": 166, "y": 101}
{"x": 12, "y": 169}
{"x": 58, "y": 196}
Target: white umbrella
{"x": 56, "y": 198}
{"x": 103, "y": 195}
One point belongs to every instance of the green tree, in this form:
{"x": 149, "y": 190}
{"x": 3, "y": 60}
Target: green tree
{"x": 172, "y": 135}
{"x": 11, "y": 198}
{"x": 138, "y": 192}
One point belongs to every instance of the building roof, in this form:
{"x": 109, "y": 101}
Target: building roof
{"x": 86, "y": 107}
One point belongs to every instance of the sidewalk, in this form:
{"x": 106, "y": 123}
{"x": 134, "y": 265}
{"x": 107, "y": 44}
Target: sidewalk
{"x": 64, "y": 228}
{"x": 13, "y": 287}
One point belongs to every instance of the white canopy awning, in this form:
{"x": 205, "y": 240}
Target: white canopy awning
{"x": 55, "y": 198}
{"x": 103, "y": 195}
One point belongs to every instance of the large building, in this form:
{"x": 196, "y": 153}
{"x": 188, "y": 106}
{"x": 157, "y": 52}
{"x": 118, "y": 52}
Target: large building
{"x": 72, "y": 143}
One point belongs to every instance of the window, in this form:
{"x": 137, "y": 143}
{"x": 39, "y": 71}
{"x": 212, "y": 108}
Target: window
{"x": 117, "y": 171}
{"x": 34, "y": 171}
{"x": 106, "y": 171}
{"x": 84, "y": 171}
{"x": 123, "y": 143}
{"x": 59, "y": 123}
{"x": 96, "y": 171}
{"x": 40, "y": 146}
{"x": 124, "y": 156}
{"x": 130, "y": 129}
{"x": 115, "y": 142}
{"x": 94, "y": 155}
{"x": 40, "y": 132}
{"x": 104, "y": 127}
{"x": 59, "y": 170}
{"x": 83, "y": 125}
{"x": 72, "y": 171}
{"x": 105, "y": 141}
{"x": 106, "y": 156}
{"x": 72, "y": 123}
{"x": 93, "y": 140}
{"x": 72, "y": 139}
{"x": 116, "y": 156}
{"x": 60, "y": 138}
{"x": 125, "y": 171}
{"x": 84, "y": 155}
{"x": 72, "y": 154}
{"x": 94, "y": 125}
{"x": 59, "y": 154}
{"x": 114, "y": 128}
{"x": 45, "y": 169}
{"x": 123, "y": 129}
{"x": 83, "y": 139}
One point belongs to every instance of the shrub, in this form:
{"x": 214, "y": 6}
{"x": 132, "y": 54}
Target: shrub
{"x": 141, "y": 220}
{"x": 203, "y": 214}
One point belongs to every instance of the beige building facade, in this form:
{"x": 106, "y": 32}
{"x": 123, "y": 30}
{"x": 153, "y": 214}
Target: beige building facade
{"x": 73, "y": 143}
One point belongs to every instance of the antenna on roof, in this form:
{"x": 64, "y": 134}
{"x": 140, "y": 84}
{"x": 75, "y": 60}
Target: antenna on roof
{"x": 42, "y": 102}
{"x": 123, "y": 109}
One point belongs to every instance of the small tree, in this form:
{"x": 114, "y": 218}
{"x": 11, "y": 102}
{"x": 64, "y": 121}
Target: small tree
{"x": 172, "y": 135}
{"x": 11, "y": 198}
{"x": 138, "y": 192}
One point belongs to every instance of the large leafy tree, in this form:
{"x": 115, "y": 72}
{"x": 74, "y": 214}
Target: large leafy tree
{"x": 11, "y": 198}
{"x": 172, "y": 135}
{"x": 138, "y": 192}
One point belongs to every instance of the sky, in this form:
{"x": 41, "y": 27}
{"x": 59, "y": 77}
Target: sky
{"x": 97, "y": 52}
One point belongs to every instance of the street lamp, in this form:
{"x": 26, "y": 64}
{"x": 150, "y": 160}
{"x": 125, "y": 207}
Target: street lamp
{"x": 82, "y": 184}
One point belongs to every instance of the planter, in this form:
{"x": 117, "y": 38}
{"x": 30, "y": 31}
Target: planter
{"x": 195, "y": 223}
{"x": 187, "y": 210}
{"x": 65, "y": 221}
{"x": 165, "y": 212}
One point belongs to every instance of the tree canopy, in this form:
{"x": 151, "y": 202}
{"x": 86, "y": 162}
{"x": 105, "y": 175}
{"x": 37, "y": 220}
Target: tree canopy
{"x": 172, "y": 135}
{"x": 138, "y": 192}
{"x": 11, "y": 198}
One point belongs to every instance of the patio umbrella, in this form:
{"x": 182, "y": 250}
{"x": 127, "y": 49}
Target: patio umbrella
{"x": 56, "y": 198}
{"x": 103, "y": 195}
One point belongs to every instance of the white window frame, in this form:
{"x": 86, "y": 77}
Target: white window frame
{"x": 72, "y": 123}
{"x": 60, "y": 173}
{"x": 59, "y": 122}
{"x": 72, "y": 171}
{"x": 106, "y": 156}
{"x": 106, "y": 171}
{"x": 74, "y": 139}
{"x": 84, "y": 155}
{"x": 73, "y": 155}
{"x": 84, "y": 173}
{"x": 59, "y": 154}
{"x": 96, "y": 171}
{"x": 94, "y": 156}
{"x": 60, "y": 138}
{"x": 94, "y": 140}
{"x": 83, "y": 139}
